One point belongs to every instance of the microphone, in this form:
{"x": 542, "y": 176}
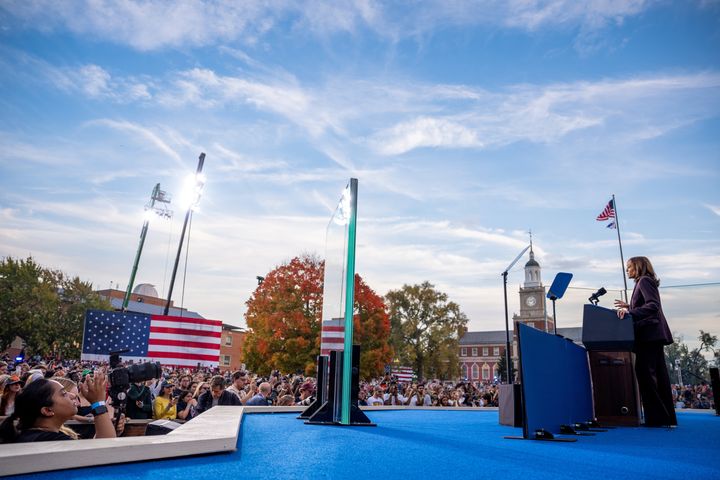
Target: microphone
{"x": 595, "y": 296}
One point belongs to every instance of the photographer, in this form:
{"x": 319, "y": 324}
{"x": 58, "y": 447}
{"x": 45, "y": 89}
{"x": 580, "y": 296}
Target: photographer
{"x": 165, "y": 406}
{"x": 44, "y": 406}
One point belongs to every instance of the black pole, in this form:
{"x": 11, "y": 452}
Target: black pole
{"x": 201, "y": 161}
{"x": 507, "y": 330}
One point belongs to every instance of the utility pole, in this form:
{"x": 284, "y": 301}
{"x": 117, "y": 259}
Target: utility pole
{"x": 150, "y": 209}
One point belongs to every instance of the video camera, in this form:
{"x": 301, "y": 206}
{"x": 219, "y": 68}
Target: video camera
{"x": 121, "y": 377}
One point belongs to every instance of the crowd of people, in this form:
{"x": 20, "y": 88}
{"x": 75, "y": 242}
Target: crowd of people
{"x": 38, "y": 397}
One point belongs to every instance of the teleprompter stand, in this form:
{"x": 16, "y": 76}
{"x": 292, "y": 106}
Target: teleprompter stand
{"x": 329, "y": 413}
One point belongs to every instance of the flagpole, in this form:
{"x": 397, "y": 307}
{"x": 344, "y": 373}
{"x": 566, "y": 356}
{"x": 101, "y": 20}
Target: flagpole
{"x": 622, "y": 259}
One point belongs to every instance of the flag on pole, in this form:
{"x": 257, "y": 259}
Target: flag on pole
{"x": 176, "y": 341}
{"x": 608, "y": 212}
{"x": 612, "y": 225}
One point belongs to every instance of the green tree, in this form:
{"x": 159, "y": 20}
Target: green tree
{"x": 44, "y": 307}
{"x": 426, "y": 330}
{"x": 693, "y": 364}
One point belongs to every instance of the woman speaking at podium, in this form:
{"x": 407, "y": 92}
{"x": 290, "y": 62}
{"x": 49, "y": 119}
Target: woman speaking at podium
{"x": 651, "y": 335}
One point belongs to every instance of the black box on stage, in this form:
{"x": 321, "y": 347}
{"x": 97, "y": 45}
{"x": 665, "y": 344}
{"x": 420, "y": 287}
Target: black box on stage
{"x": 510, "y": 405}
{"x": 609, "y": 341}
{"x": 604, "y": 331}
{"x": 715, "y": 379}
{"x": 160, "y": 427}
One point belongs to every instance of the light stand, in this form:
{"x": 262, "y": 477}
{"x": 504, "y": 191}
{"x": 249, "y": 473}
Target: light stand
{"x": 198, "y": 186}
{"x": 507, "y": 324}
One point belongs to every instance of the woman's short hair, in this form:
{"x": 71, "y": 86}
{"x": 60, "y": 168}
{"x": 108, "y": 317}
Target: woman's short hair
{"x": 644, "y": 268}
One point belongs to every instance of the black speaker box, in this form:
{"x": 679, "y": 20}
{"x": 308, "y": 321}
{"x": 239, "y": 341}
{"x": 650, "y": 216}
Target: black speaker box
{"x": 161, "y": 427}
{"x": 715, "y": 379}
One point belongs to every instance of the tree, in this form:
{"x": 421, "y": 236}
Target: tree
{"x": 426, "y": 329}
{"x": 284, "y": 317}
{"x": 44, "y": 307}
{"x": 693, "y": 364}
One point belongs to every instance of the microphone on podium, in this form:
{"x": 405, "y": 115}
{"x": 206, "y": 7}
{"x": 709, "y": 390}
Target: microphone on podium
{"x": 594, "y": 298}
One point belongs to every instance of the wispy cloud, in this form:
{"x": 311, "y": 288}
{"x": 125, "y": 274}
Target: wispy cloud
{"x": 713, "y": 208}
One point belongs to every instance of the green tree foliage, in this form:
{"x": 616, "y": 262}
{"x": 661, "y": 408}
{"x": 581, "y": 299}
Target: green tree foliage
{"x": 283, "y": 320}
{"x": 426, "y": 330}
{"x": 44, "y": 307}
{"x": 693, "y": 364}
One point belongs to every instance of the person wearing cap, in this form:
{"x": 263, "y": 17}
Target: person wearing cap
{"x": 306, "y": 394}
{"x": 165, "y": 405}
{"x": 11, "y": 388}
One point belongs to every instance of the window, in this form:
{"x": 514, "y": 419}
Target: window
{"x": 475, "y": 372}
{"x": 496, "y": 351}
{"x": 463, "y": 352}
{"x": 486, "y": 372}
{"x": 226, "y": 360}
{"x": 485, "y": 351}
{"x": 228, "y": 340}
{"x": 465, "y": 371}
{"x": 531, "y": 324}
{"x": 474, "y": 352}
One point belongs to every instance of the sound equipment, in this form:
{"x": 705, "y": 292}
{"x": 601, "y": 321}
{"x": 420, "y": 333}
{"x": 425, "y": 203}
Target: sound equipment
{"x": 715, "y": 379}
{"x": 510, "y": 405}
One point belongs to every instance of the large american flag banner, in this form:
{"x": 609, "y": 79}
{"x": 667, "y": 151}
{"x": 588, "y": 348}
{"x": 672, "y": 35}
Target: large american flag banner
{"x": 608, "y": 212}
{"x": 403, "y": 374}
{"x": 177, "y": 341}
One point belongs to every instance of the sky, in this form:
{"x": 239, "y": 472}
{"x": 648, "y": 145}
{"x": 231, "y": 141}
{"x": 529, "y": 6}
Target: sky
{"x": 467, "y": 124}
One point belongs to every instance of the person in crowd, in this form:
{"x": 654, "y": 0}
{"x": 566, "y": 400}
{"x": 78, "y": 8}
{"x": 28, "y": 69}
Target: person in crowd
{"x": 651, "y": 335}
{"x": 10, "y": 391}
{"x": 239, "y": 380}
{"x": 201, "y": 388}
{"x": 417, "y": 397}
{"x": 362, "y": 398}
{"x": 306, "y": 391}
{"x": 217, "y": 395}
{"x": 393, "y": 396}
{"x": 3, "y": 367}
{"x": 377, "y": 398}
{"x": 139, "y": 401}
{"x": 285, "y": 401}
{"x": 186, "y": 405}
{"x": 44, "y": 406}
{"x": 262, "y": 399}
{"x": 165, "y": 404}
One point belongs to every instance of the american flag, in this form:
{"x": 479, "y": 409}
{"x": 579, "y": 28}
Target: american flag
{"x": 608, "y": 212}
{"x": 178, "y": 341}
{"x": 332, "y": 335}
{"x": 403, "y": 374}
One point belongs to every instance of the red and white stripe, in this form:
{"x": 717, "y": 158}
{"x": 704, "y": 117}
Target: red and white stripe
{"x": 182, "y": 341}
{"x": 607, "y": 213}
{"x": 332, "y": 336}
{"x": 403, "y": 374}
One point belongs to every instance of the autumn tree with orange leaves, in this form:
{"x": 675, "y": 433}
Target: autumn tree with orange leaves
{"x": 284, "y": 315}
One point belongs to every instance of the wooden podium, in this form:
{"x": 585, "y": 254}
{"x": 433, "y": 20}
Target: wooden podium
{"x": 609, "y": 341}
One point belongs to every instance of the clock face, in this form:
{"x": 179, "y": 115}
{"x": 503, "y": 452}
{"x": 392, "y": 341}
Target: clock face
{"x": 530, "y": 301}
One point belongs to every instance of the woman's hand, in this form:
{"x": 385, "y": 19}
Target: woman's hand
{"x": 622, "y": 312}
{"x": 94, "y": 387}
{"x": 621, "y": 304}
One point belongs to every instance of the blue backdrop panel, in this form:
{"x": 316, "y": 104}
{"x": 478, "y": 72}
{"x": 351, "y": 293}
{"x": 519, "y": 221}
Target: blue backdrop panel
{"x": 579, "y": 385}
{"x": 555, "y": 381}
{"x": 542, "y": 370}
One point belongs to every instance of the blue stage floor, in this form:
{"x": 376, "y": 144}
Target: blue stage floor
{"x": 435, "y": 444}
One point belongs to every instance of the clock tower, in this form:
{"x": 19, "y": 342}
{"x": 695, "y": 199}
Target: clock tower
{"x": 533, "y": 309}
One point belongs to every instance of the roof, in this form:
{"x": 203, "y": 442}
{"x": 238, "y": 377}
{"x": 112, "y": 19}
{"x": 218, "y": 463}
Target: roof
{"x": 141, "y": 307}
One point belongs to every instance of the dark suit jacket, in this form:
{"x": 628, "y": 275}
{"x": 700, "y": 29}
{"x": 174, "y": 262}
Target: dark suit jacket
{"x": 227, "y": 398}
{"x": 648, "y": 318}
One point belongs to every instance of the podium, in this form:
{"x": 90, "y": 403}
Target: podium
{"x": 609, "y": 341}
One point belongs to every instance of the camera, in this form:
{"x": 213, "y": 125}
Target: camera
{"x": 121, "y": 377}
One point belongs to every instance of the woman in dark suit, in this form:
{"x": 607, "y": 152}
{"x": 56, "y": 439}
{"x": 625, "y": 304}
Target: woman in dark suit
{"x": 651, "y": 335}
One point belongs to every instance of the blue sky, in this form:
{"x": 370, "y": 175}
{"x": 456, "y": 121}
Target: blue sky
{"x": 466, "y": 123}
